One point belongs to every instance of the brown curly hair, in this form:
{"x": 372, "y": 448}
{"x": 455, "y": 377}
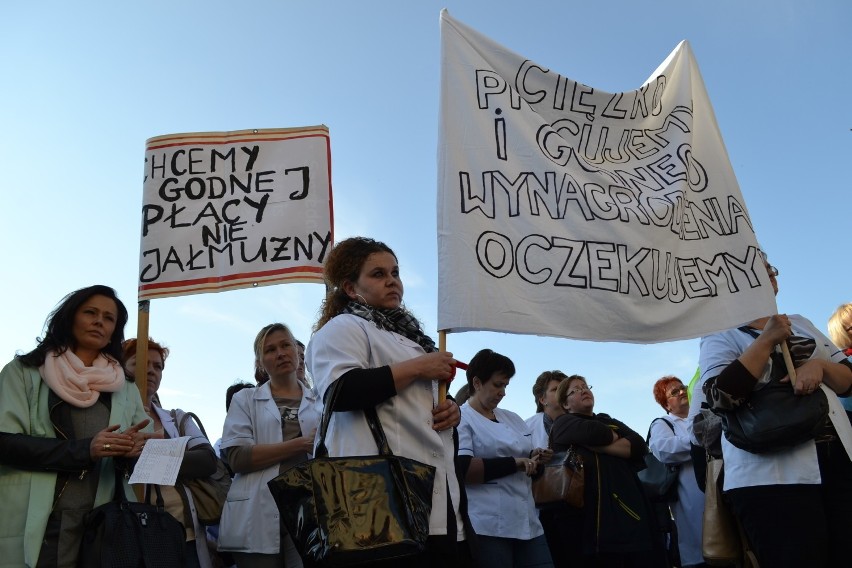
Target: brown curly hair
{"x": 343, "y": 264}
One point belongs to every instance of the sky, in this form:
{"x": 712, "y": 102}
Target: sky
{"x": 84, "y": 84}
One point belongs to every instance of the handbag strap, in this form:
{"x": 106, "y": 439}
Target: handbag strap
{"x": 120, "y": 497}
{"x": 186, "y": 416}
{"x": 369, "y": 413}
{"x": 672, "y": 466}
{"x": 160, "y": 503}
{"x": 779, "y": 368}
{"x": 648, "y": 437}
{"x": 572, "y": 458}
{"x": 118, "y": 494}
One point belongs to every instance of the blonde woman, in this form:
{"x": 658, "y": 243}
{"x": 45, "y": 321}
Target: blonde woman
{"x": 840, "y": 328}
{"x": 268, "y": 430}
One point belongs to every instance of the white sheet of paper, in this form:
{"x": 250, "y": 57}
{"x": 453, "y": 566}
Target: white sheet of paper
{"x": 160, "y": 461}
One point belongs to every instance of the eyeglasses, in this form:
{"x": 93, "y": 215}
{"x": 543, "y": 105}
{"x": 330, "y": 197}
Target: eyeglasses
{"x": 772, "y": 270}
{"x": 578, "y": 389}
{"x": 677, "y": 391}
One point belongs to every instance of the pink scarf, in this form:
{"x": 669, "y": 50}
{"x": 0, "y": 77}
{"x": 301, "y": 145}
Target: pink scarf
{"x": 77, "y": 384}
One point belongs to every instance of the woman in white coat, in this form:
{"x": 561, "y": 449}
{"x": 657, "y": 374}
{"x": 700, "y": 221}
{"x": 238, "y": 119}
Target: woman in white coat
{"x": 496, "y": 453}
{"x": 808, "y": 482}
{"x": 369, "y": 342}
{"x": 547, "y": 410}
{"x": 670, "y": 443}
{"x": 268, "y": 430}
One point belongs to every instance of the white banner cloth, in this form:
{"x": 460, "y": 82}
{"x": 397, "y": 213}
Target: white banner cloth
{"x": 564, "y": 210}
{"x": 225, "y": 210}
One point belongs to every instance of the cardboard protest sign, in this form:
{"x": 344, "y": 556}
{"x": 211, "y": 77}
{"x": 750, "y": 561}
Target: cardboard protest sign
{"x": 226, "y": 210}
{"x": 565, "y": 210}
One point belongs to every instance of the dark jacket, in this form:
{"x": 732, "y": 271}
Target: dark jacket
{"x": 616, "y": 517}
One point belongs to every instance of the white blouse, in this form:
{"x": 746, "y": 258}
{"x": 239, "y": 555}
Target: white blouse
{"x": 502, "y": 507}
{"x": 350, "y": 342}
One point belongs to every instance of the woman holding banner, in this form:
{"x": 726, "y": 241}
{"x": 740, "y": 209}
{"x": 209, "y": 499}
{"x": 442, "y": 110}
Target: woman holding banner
{"x": 808, "y": 482}
{"x": 367, "y": 340}
{"x": 68, "y": 420}
{"x": 268, "y": 430}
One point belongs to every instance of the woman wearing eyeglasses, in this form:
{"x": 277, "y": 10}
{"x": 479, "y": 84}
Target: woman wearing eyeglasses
{"x": 669, "y": 442}
{"x": 794, "y": 504}
{"x": 614, "y": 528}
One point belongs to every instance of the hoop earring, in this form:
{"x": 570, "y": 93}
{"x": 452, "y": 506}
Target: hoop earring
{"x": 362, "y": 299}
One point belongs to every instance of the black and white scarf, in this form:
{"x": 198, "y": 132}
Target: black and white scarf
{"x": 398, "y": 320}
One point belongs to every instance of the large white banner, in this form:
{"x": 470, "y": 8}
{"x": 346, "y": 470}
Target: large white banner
{"x": 225, "y": 210}
{"x": 565, "y": 210}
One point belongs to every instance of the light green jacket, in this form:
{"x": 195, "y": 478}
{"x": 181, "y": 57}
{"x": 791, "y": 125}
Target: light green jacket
{"x": 27, "y": 496}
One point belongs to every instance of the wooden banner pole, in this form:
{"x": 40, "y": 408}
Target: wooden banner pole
{"x": 142, "y": 328}
{"x": 141, "y": 373}
{"x": 788, "y": 361}
{"x": 442, "y": 347}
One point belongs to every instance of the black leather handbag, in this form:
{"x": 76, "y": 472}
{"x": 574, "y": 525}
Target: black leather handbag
{"x": 773, "y": 417}
{"x": 346, "y": 511}
{"x": 659, "y": 480}
{"x": 124, "y": 534}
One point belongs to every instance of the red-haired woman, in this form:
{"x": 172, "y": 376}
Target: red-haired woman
{"x": 669, "y": 442}
{"x": 199, "y": 459}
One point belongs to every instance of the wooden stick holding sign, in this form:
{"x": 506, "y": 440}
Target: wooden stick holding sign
{"x": 442, "y": 347}
{"x": 141, "y": 373}
{"x": 442, "y": 385}
{"x": 142, "y": 328}
{"x": 788, "y": 361}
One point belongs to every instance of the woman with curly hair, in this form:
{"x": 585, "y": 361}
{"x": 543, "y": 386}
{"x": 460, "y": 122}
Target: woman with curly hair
{"x": 375, "y": 350}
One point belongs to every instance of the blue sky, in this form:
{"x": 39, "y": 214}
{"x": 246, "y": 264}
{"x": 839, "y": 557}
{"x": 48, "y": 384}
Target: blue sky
{"x": 85, "y": 84}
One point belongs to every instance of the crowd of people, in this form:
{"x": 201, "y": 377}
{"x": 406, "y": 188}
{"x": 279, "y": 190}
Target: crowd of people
{"x": 71, "y": 416}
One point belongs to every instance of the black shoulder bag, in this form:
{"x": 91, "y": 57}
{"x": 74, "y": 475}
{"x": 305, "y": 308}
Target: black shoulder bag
{"x": 659, "y": 479}
{"x": 346, "y": 511}
{"x": 773, "y": 418}
{"x": 125, "y": 534}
